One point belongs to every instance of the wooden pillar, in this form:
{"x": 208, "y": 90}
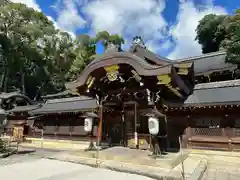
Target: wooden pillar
{"x": 123, "y": 126}
{"x": 135, "y": 126}
{"x": 99, "y": 136}
{"x": 189, "y": 131}
{"x": 229, "y": 130}
{"x": 56, "y": 125}
{"x": 188, "y": 137}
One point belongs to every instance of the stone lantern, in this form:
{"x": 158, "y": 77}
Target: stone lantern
{"x": 88, "y": 128}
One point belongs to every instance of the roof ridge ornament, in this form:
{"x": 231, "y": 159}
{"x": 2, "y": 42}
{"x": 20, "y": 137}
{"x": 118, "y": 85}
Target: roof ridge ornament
{"x": 137, "y": 40}
{"x": 112, "y": 47}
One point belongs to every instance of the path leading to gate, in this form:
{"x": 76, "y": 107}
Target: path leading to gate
{"x": 30, "y": 167}
{"x": 222, "y": 171}
{"x": 200, "y": 164}
{"x": 221, "y": 165}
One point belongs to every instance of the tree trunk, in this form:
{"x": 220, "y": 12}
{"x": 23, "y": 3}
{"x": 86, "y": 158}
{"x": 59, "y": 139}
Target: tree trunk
{"x": 3, "y": 75}
{"x": 23, "y": 81}
{"x": 5, "y": 80}
{"x": 39, "y": 91}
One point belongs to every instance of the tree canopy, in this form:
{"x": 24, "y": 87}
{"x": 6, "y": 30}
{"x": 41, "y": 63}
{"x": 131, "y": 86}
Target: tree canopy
{"x": 35, "y": 57}
{"x": 216, "y": 32}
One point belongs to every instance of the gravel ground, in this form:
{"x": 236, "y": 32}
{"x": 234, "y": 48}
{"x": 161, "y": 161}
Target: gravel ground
{"x": 30, "y": 167}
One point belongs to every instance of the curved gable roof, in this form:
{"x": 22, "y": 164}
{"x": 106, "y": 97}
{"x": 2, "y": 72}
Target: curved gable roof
{"x": 111, "y": 58}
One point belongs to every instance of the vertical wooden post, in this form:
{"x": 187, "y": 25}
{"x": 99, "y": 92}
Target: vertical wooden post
{"x": 123, "y": 130}
{"x": 182, "y": 158}
{"x": 135, "y": 127}
{"x": 42, "y": 135}
{"x": 99, "y": 136}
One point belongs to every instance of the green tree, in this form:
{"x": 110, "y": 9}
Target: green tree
{"x": 104, "y": 37}
{"x": 85, "y": 52}
{"x": 37, "y": 58}
{"x": 232, "y": 42}
{"x": 22, "y": 27}
{"x": 216, "y": 32}
{"x": 211, "y": 32}
{"x": 58, "y": 55}
{"x": 35, "y": 54}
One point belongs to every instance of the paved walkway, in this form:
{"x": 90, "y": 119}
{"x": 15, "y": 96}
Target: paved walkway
{"x": 225, "y": 168}
{"x": 222, "y": 172}
{"x": 221, "y": 165}
{"x": 57, "y": 145}
{"x": 32, "y": 168}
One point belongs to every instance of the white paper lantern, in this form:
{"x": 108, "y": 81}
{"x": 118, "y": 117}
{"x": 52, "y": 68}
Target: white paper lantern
{"x": 88, "y": 122}
{"x": 153, "y": 125}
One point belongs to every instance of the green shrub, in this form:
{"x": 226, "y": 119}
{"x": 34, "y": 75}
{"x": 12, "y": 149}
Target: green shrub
{"x": 2, "y": 146}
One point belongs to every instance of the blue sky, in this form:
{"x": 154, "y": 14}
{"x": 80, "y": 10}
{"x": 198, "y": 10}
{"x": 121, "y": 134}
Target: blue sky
{"x": 167, "y": 26}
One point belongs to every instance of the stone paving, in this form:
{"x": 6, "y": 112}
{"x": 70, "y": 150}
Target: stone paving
{"x": 221, "y": 165}
{"x": 141, "y": 157}
{"x": 222, "y": 171}
{"x": 132, "y": 161}
{"x": 30, "y": 167}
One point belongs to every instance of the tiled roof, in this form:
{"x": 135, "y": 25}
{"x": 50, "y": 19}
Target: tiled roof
{"x": 15, "y": 94}
{"x": 220, "y": 84}
{"x": 73, "y": 104}
{"x": 25, "y": 108}
{"x": 215, "y": 92}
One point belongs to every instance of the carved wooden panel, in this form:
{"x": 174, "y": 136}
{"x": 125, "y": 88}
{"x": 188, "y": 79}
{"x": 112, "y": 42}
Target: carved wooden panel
{"x": 208, "y": 123}
{"x": 210, "y": 145}
{"x": 208, "y": 131}
{"x": 237, "y": 127}
{"x": 18, "y": 133}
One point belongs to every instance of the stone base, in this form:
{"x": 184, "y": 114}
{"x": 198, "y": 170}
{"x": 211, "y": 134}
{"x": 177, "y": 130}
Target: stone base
{"x": 138, "y": 162}
{"x": 141, "y": 157}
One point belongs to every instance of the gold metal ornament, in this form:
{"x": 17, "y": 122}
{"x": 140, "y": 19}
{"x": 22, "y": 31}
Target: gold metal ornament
{"x": 112, "y": 72}
{"x": 164, "y": 79}
{"x": 183, "y": 69}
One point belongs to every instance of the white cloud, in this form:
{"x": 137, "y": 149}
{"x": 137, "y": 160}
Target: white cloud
{"x": 33, "y": 4}
{"x": 135, "y": 17}
{"x": 144, "y": 18}
{"x": 58, "y": 27}
{"x": 69, "y": 18}
{"x": 166, "y": 45}
{"x": 127, "y": 18}
{"x": 184, "y": 33}
{"x": 29, "y": 3}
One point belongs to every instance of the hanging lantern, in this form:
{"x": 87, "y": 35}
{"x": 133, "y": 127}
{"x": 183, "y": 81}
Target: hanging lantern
{"x": 153, "y": 125}
{"x": 88, "y": 122}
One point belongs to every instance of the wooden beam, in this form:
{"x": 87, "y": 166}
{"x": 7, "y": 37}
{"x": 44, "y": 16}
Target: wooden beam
{"x": 135, "y": 126}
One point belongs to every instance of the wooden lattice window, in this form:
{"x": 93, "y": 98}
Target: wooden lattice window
{"x": 237, "y": 127}
{"x": 208, "y": 131}
{"x": 237, "y": 123}
{"x": 208, "y": 127}
{"x": 208, "y": 123}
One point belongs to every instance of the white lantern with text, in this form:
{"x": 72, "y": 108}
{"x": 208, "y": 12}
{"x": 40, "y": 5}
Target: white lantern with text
{"x": 153, "y": 125}
{"x": 88, "y": 122}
